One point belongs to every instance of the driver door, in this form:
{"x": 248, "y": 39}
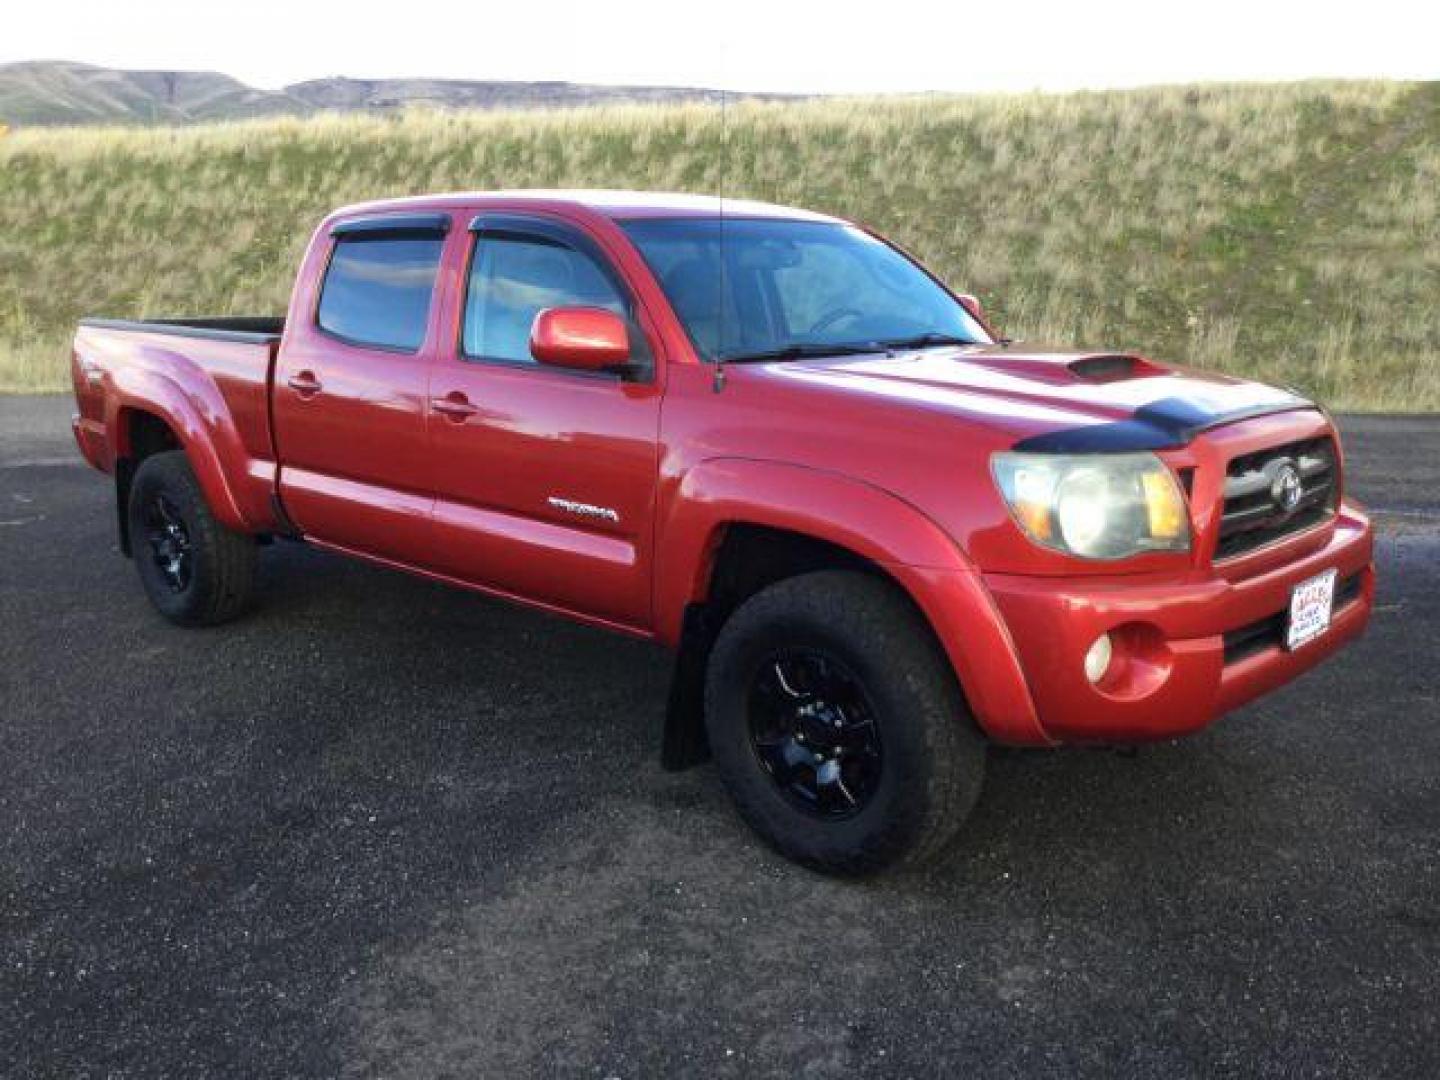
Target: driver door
{"x": 545, "y": 477}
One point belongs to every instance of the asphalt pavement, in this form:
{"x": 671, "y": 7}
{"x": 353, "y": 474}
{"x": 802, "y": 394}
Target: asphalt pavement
{"x": 382, "y": 828}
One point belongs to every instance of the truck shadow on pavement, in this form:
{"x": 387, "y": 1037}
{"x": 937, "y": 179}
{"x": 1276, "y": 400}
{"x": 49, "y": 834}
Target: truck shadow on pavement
{"x": 384, "y": 653}
{"x": 399, "y": 677}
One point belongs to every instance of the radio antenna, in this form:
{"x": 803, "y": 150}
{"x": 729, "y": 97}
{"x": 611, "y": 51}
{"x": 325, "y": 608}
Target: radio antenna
{"x": 719, "y": 381}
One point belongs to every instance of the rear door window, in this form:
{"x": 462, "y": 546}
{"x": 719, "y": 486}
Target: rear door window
{"x": 378, "y": 289}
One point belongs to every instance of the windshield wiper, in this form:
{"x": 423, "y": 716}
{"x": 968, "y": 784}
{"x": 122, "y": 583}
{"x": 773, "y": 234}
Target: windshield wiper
{"x": 924, "y": 341}
{"x": 801, "y": 351}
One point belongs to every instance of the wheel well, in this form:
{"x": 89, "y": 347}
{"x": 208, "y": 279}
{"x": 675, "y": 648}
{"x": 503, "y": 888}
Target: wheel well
{"x": 142, "y": 435}
{"x": 746, "y": 559}
{"x": 145, "y": 434}
{"x": 749, "y": 558}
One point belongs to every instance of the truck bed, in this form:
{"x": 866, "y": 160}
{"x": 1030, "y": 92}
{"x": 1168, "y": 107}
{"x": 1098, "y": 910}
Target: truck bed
{"x": 206, "y": 380}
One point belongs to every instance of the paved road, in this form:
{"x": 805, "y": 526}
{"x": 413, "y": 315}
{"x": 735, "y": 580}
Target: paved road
{"x": 385, "y": 829}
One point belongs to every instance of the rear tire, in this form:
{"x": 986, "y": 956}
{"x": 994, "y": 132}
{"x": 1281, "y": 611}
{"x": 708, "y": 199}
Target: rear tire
{"x": 838, "y": 725}
{"x": 194, "y": 570}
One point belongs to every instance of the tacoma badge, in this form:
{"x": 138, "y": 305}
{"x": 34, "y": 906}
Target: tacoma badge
{"x": 603, "y": 513}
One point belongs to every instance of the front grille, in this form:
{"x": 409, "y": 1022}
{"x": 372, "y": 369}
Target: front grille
{"x": 1269, "y": 632}
{"x": 1254, "y": 515}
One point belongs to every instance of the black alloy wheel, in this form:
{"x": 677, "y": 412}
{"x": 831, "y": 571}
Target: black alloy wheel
{"x": 814, "y": 731}
{"x": 169, "y": 541}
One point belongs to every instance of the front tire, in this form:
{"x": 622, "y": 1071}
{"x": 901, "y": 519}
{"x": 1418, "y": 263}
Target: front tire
{"x": 838, "y": 725}
{"x": 195, "y": 571}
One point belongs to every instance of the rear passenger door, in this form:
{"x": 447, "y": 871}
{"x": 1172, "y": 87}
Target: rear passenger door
{"x": 545, "y": 477}
{"x": 351, "y": 387}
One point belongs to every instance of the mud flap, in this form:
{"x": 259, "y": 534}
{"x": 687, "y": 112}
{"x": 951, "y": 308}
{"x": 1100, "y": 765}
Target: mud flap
{"x": 684, "y": 743}
{"x": 124, "y": 473}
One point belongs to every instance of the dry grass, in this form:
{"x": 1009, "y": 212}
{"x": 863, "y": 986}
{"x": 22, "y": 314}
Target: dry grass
{"x": 1291, "y": 232}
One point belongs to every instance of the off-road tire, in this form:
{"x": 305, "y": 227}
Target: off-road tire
{"x": 220, "y": 581}
{"x": 933, "y": 759}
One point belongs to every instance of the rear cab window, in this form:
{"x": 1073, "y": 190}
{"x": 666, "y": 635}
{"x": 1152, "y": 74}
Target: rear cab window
{"x": 379, "y": 287}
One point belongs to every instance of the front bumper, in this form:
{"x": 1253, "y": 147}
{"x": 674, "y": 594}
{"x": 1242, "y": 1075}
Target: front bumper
{"x": 1173, "y": 672}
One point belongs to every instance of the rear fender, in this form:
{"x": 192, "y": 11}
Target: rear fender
{"x": 870, "y": 522}
{"x": 190, "y": 403}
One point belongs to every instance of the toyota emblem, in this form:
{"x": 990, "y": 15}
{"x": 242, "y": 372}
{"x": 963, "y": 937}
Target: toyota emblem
{"x": 1286, "y": 489}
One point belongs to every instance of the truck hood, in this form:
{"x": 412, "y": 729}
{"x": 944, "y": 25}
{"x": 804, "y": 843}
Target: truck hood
{"x": 1053, "y": 400}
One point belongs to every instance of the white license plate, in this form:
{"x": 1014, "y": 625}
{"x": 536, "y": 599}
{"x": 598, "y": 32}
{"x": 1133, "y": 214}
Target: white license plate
{"x": 1311, "y": 603}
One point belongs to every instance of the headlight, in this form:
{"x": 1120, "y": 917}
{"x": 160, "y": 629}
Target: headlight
{"x": 1097, "y": 506}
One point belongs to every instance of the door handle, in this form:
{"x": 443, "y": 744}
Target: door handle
{"x": 305, "y": 384}
{"x": 456, "y": 406}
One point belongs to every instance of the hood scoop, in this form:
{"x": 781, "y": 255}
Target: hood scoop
{"x": 1111, "y": 367}
{"x": 1062, "y": 368}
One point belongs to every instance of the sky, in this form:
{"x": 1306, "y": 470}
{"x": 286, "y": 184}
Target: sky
{"x": 835, "y": 47}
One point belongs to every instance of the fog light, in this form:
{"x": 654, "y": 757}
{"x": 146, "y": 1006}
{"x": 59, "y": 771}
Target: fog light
{"x": 1097, "y": 660}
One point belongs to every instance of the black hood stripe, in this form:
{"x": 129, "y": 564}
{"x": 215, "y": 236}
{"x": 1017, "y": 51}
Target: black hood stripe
{"x": 1166, "y": 424}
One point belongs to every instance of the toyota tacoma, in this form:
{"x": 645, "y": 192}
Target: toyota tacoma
{"x": 877, "y": 535}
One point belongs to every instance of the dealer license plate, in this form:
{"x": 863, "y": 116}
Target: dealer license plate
{"x": 1311, "y": 603}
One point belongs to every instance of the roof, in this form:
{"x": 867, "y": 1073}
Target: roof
{"x": 613, "y": 204}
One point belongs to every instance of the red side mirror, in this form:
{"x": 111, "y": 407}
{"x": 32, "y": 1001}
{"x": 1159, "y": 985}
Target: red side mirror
{"x": 590, "y": 339}
{"x": 972, "y": 305}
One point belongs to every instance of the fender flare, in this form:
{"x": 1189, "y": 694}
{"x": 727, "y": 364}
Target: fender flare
{"x": 874, "y": 524}
{"x": 197, "y": 414}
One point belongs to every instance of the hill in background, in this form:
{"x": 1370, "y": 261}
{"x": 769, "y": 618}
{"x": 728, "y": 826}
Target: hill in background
{"x": 59, "y": 92}
{"x": 1291, "y": 232}
{"x": 349, "y": 95}
{"x": 47, "y": 92}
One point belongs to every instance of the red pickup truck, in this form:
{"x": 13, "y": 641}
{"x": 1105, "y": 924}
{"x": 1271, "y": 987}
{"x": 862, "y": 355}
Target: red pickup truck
{"x": 876, "y": 535}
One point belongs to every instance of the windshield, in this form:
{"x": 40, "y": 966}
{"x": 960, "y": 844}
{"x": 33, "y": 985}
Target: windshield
{"x": 774, "y": 287}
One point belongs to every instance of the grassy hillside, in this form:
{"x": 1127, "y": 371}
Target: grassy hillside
{"x": 1291, "y": 232}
